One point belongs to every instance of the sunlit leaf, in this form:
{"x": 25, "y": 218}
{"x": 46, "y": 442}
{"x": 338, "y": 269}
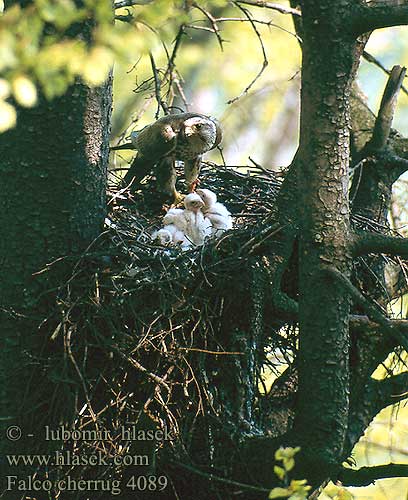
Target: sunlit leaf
{"x": 279, "y": 472}
{"x": 8, "y": 116}
{"x": 279, "y": 493}
{"x": 24, "y": 91}
{"x": 97, "y": 65}
{"x": 4, "y": 88}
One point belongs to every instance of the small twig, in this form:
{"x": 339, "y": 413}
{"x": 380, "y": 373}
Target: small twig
{"x": 215, "y": 353}
{"x": 257, "y": 21}
{"x": 212, "y": 477}
{"x": 274, "y": 6}
{"x": 172, "y": 60}
{"x": 370, "y": 58}
{"x": 213, "y": 22}
{"x": 67, "y": 342}
{"x": 265, "y": 59}
{"x": 157, "y": 88}
{"x": 179, "y": 87}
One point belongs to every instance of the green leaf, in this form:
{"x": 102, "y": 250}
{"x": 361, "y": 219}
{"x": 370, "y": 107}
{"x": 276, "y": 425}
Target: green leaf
{"x": 279, "y": 472}
{"x": 279, "y": 493}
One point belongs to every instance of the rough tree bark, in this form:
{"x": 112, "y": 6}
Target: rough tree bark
{"x": 331, "y": 414}
{"x": 53, "y": 174}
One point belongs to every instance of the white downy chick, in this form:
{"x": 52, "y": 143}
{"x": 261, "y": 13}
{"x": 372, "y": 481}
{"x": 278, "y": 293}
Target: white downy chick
{"x": 216, "y": 212}
{"x": 169, "y": 234}
{"x": 197, "y": 227}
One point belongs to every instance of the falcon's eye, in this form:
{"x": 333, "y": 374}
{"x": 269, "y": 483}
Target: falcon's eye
{"x": 198, "y": 126}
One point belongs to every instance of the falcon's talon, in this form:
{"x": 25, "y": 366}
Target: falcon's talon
{"x": 178, "y": 198}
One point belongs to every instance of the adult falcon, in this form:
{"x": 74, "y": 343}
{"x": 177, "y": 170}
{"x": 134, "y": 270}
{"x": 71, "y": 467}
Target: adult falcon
{"x": 184, "y": 137}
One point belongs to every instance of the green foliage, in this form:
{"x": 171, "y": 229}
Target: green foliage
{"x": 294, "y": 489}
{"x": 40, "y": 47}
{"x": 336, "y": 492}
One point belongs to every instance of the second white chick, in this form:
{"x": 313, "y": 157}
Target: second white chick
{"x": 169, "y": 235}
{"x": 198, "y": 227}
{"x": 216, "y": 212}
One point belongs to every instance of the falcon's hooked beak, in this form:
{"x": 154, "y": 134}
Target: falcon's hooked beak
{"x": 188, "y": 131}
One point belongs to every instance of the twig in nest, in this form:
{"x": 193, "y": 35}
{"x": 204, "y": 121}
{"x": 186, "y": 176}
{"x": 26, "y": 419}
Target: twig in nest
{"x": 215, "y": 353}
{"x": 67, "y": 343}
{"x": 141, "y": 368}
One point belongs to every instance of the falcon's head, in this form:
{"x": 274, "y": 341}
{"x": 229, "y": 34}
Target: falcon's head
{"x": 193, "y": 202}
{"x": 201, "y": 133}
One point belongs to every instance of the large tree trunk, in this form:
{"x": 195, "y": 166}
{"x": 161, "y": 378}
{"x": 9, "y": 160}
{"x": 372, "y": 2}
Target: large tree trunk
{"x": 53, "y": 176}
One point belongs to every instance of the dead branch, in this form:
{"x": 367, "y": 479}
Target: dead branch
{"x": 213, "y": 23}
{"x": 157, "y": 87}
{"x": 385, "y": 115}
{"x": 142, "y": 369}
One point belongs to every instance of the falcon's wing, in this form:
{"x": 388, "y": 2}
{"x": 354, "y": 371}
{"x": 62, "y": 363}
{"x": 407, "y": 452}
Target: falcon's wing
{"x": 139, "y": 168}
{"x": 154, "y": 142}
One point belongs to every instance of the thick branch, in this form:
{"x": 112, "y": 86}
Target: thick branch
{"x": 390, "y": 390}
{"x": 385, "y": 115}
{"x": 368, "y": 475}
{"x": 369, "y": 17}
{"x": 366, "y": 305}
{"x": 364, "y": 243}
{"x": 360, "y": 323}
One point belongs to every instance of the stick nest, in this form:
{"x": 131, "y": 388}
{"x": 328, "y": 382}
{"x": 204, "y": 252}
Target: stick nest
{"x": 157, "y": 337}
